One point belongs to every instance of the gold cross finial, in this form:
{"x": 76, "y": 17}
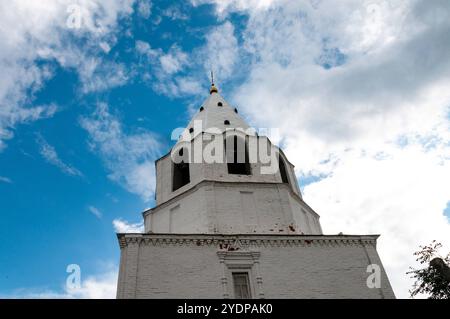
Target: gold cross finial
{"x": 213, "y": 89}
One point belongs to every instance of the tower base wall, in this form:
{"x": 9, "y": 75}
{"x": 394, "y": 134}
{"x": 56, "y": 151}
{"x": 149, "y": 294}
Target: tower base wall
{"x": 277, "y": 266}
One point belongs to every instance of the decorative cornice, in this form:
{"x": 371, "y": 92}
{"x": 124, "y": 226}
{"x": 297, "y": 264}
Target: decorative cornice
{"x": 246, "y": 242}
{"x": 203, "y": 182}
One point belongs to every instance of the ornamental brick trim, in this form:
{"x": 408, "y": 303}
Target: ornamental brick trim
{"x": 246, "y": 241}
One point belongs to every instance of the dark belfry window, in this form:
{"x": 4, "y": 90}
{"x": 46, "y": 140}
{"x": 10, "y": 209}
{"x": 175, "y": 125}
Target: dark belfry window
{"x": 237, "y": 156}
{"x": 219, "y": 104}
{"x": 283, "y": 172}
{"x": 201, "y": 109}
{"x": 181, "y": 174}
{"x": 226, "y": 122}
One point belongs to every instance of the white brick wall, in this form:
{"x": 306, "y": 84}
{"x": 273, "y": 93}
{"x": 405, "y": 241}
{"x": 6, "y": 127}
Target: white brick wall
{"x": 181, "y": 266}
{"x": 231, "y": 208}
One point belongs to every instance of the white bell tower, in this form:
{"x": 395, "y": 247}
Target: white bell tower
{"x": 198, "y": 192}
{"x": 230, "y": 222}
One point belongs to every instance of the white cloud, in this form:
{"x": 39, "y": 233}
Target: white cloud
{"x": 223, "y": 7}
{"x": 144, "y": 48}
{"x": 101, "y": 286}
{"x": 375, "y": 124}
{"x": 145, "y": 8}
{"x": 97, "y": 75}
{"x": 175, "y": 12}
{"x": 105, "y": 46}
{"x": 189, "y": 85}
{"x": 95, "y": 211}
{"x": 35, "y": 35}
{"x": 4, "y": 179}
{"x": 168, "y": 70}
{"x": 123, "y": 226}
{"x": 173, "y": 61}
{"x": 12, "y": 114}
{"x": 176, "y": 73}
{"x": 49, "y": 153}
{"x": 129, "y": 157}
{"x": 221, "y": 52}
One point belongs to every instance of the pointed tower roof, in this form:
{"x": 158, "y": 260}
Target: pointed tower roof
{"x": 217, "y": 113}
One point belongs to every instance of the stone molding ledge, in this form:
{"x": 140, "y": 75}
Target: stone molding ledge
{"x": 243, "y": 242}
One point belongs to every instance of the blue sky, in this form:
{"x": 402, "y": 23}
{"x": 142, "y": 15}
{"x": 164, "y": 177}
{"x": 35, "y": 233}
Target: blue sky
{"x": 85, "y": 111}
{"x": 45, "y": 209}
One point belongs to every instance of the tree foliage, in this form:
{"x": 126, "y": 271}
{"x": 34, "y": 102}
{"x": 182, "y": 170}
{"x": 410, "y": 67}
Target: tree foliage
{"x": 431, "y": 280}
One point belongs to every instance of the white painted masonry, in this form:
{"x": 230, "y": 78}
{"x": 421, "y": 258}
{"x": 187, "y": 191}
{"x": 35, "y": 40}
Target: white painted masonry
{"x": 289, "y": 266}
{"x": 213, "y": 207}
{"x": 219, "y": 223}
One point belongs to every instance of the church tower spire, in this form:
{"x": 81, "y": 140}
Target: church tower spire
{"x": 213, "y": 88}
